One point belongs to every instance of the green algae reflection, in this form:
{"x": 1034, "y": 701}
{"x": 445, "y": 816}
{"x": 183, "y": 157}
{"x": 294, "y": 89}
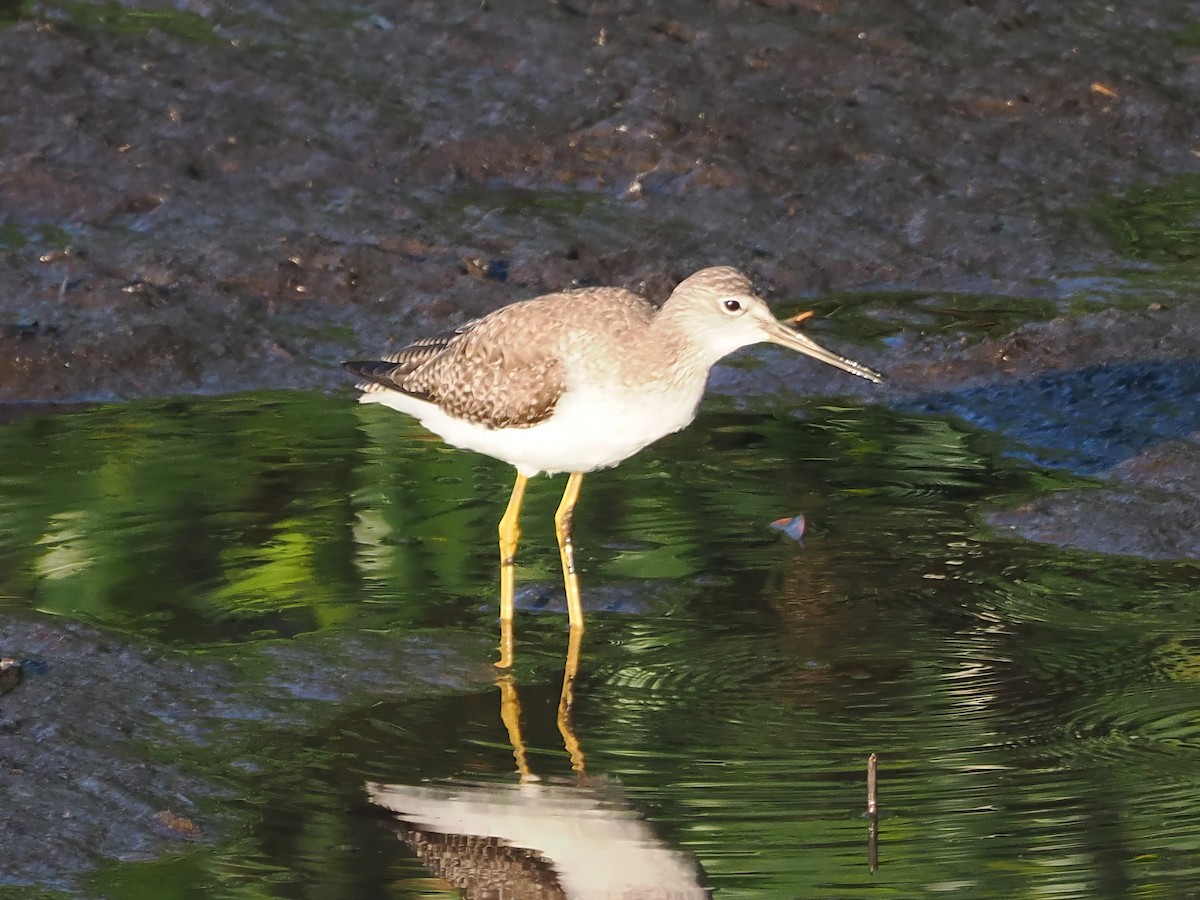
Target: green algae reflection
{"x": 1033, "y": 708}
{"x": 218, "y": 520}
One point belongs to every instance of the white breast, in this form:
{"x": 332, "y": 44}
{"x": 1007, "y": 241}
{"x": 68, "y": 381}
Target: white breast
{"x": 590, "y": 428}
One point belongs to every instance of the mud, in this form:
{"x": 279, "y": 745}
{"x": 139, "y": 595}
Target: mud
{"x": 202, "y": 199}
{"x": 210, "y": 198}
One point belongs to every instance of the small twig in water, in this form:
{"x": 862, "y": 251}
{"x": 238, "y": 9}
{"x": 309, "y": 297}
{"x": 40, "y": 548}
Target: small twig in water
{"x": 872, "y": 814}
{"x": 872, "y": 777}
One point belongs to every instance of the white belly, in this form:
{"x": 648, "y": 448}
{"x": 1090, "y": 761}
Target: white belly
{"x": 589, "y": 429}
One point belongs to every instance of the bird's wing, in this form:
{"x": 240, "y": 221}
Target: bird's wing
{"x": 506, "y": 370}
{"x": 490, "y": 371}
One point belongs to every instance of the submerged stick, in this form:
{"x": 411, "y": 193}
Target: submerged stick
{"x": 872, "y": 777}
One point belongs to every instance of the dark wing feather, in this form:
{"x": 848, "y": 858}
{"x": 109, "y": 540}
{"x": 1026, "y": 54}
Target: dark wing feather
{"x": 421, "y": 351}
{"x": 389, "y": 373}
{"x": 378, "y": 375}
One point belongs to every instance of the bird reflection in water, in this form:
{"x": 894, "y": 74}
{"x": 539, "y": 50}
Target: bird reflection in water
{"x": 536, "y": 839}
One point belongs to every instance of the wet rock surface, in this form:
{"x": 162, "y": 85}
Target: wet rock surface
{"x": 78, "y": 785}
{"x": 1150, "y": 509}
{"x": 94, "y": 744}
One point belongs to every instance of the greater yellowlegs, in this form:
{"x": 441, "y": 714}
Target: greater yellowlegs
{"x": 576, "y": 381}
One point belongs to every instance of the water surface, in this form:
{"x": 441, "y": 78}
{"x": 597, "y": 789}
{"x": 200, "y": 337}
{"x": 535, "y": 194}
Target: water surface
{"x": 1033, "y": 709}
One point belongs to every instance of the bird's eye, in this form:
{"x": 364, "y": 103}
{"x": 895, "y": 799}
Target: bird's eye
{"x": 732, "y": 306}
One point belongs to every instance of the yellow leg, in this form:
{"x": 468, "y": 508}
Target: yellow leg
{"x": 510, "y": 537}
{"x": 563, "y": 525}
{"x": 567, "y": 698}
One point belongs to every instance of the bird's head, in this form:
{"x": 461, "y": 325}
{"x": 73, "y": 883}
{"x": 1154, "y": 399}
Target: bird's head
{"x": 718, "y": 310}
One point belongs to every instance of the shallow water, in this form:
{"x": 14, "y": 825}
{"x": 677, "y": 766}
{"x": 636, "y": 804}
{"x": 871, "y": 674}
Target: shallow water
{"x": 1033, "y": 709}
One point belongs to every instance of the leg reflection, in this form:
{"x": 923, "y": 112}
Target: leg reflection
{"x": 510, "y": 715}
{"x": 567, "y": 699}
{"x": 510, "y": 712}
